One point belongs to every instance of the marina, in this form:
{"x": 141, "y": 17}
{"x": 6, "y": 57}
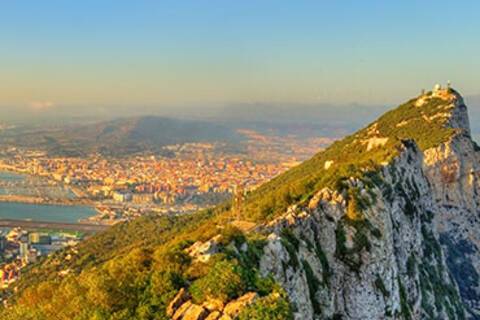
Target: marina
{"x": 42, "y": 212}
{"x": 24, "y": 197}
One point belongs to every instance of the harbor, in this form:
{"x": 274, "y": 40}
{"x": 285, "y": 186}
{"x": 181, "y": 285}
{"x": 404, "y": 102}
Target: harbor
{"x": 25, "y": 197}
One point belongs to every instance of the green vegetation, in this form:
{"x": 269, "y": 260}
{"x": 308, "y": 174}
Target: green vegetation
{"x": 325, "y": 266}
{"x": 432, "y": 282}
{"x": 445, "y": 296}
{"x": 138, "y": 283}
{"x": 432, "y": 246}
{"x": 404, "y": 305}
{"x": 119, "y": 240}
{"x": 351, "y": 158}
{"x": 411, "y": 265}
{"x": 381, "y": 286}
{"x": 351, "y": 256}
{"x": 317, "y": 249}
{"x": 223, "y": 281}
{"x": 232, "y": 234}
{"x": 291, "y": 244}
{"x": 272, "y": 307}
{"x": 313, "y": 286}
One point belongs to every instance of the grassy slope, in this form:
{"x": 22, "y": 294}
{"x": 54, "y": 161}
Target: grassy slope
{"x": 350, "y": 156}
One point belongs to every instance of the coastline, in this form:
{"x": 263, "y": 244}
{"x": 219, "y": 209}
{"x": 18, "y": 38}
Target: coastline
{"x": 54, "y": 213}
{"x": 40, "y": 203}
{"x": 79, "y": 198}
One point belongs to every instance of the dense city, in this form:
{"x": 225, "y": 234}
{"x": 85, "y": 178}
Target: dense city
{"x": 20, "y": 247}
{"x": 195, "y": 176}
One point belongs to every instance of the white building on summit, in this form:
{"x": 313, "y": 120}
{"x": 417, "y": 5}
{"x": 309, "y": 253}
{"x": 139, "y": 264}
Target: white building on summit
{"x": 437, "y": 88}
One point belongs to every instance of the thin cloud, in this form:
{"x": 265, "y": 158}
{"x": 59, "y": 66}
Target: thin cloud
{"x": 41, "y": 105}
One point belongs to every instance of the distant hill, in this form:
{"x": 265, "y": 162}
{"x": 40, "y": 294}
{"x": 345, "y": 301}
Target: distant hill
{"x": 121, "y": 136}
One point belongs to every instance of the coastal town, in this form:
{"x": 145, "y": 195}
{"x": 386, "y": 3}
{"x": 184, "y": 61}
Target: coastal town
{"x": 196, "y": 176}
{"x": 20, "y": 247}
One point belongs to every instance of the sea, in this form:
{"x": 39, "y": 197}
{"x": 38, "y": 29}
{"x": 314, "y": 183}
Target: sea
{"x": 17, "y": 183}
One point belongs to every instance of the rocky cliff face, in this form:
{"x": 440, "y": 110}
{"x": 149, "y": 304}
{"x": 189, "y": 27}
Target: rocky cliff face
{"x": 412, "y": 249}
{"x": 453, "y": 172}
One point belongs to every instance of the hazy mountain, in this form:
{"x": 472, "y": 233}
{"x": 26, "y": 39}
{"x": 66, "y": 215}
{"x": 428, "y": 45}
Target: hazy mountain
{"x": 315, "y": 119}
{"x": 119, "y": 137}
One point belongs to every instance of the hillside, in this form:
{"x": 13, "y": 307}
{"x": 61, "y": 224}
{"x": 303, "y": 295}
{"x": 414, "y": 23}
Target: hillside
{"x": 121, "y": 136}
{"x": 381, "y": 225}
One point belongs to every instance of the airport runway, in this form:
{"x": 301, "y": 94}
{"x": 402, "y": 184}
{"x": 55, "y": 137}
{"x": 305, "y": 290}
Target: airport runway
{"x": 26, "y": 224}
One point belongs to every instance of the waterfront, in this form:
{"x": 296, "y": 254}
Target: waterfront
{"x": 50, "y": 213}
{"x": 27, "y": 185}
{"x": 16, "y": 187}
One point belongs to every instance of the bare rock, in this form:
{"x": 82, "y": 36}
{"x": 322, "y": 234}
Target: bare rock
{"x": 180, "y": 312}
{"x": 202, "y": 251}
{"x": 215, "y": 315}
{"x": 181, "y": 297}
{"x": 213, "y": 305}
{"x": 195, "y": 312}
{"x": 234, "y": 308}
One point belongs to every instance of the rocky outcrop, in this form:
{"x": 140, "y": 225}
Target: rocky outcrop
{"x": 181, "y": 311}
{"x": 212, "y": 309}
{"x": 215, "y": 315}
{"x": 195, "y": 312}
{"x": 202, "y": 251}
{"x": 234, "y": 308}
{"x": 181, "y": 297}
{"x": 453, "y": 170}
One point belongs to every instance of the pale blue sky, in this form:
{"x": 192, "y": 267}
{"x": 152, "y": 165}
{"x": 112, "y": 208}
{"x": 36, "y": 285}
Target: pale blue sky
{"x": 109, "y": 53}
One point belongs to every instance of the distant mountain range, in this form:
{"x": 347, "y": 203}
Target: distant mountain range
{"x": 80, "y": 135}
{"x": 117, "y": 137}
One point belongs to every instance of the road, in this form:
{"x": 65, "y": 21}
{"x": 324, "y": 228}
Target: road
{"x": 26, "y": 224}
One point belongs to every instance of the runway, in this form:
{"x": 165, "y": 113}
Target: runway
{"x": 26, "y": 224}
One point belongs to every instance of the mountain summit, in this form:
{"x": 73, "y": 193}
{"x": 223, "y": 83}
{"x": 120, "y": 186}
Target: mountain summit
{"x": 381, "y": 225}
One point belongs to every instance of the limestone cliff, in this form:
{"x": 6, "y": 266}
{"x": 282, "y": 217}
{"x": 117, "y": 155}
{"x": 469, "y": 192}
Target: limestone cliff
{"x": 414, "y": 253}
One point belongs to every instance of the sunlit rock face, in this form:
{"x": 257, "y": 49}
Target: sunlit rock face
{"x": 412, "y": 253}
{"x": 453, "y": 172}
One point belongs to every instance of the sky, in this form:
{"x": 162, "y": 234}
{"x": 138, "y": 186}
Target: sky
{"x": 117, "y": 56}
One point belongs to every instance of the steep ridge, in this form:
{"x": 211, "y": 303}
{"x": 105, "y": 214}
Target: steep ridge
{"x": 400, "y": 242}
{"x": 381, "y": 225}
